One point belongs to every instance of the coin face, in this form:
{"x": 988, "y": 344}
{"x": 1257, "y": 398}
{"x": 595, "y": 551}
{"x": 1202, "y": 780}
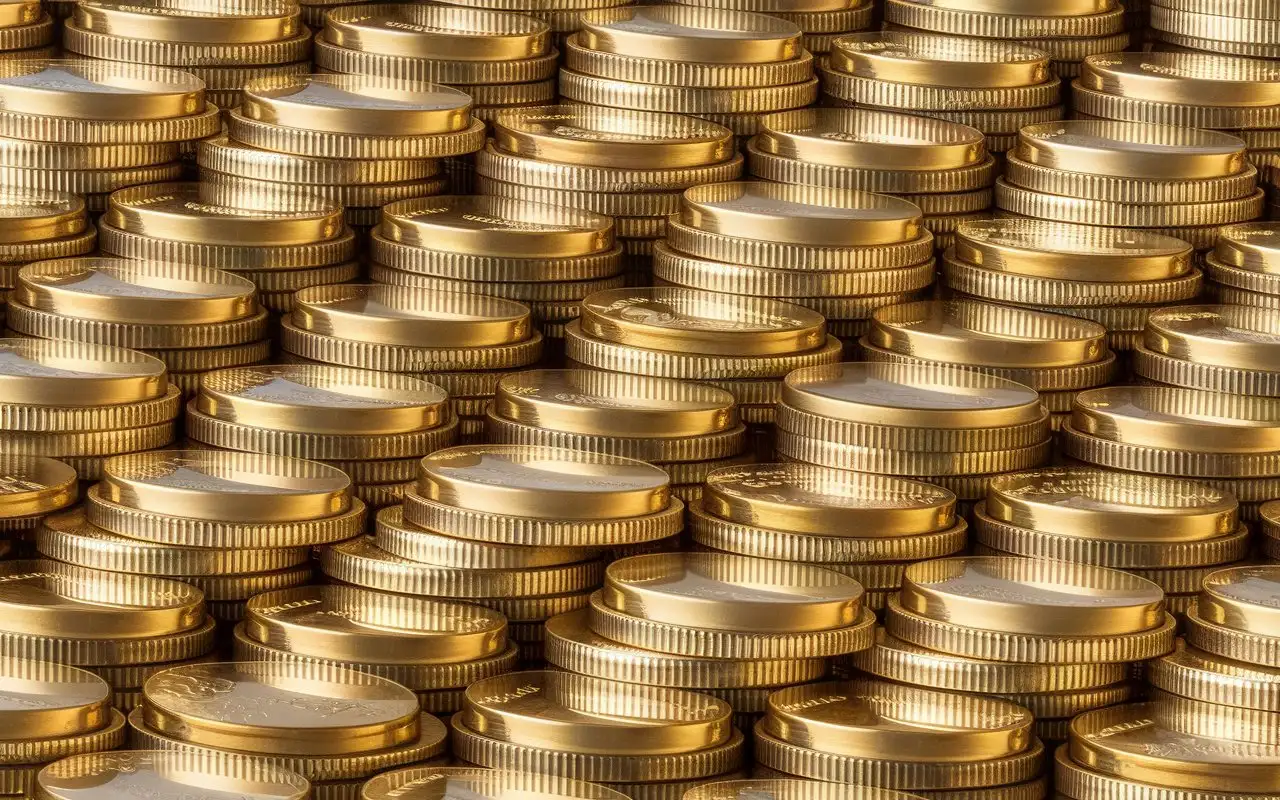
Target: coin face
{"x": 465, "y": 34}
{"x": 51, "y": 372}
{"x": 496, "y": 226}
{"x": 153, "y": 773}
{"x": 33, "y": 485}
{"x": 791, "y": 789}
{"x": 1243, "y": 598}
{"x": 861, "y": 137}
{"x": 356, "y": 104}
{"x": 99, "y": 90}
{"x": 45, "y": 700}
{"x": 29, "y": 215}
{"x": 680, "y": 32}
{"x": 1191, "y": 78}
{"x": 1171, "y": 417}
{"x": 929, "y": 59}
{"x": 1049, "y": 249}
{"x": 440, "y": 783}
{"x": 1250, "y": 245}
{"x": 1130, "y": 150}
{"x": 1233, "y": 336}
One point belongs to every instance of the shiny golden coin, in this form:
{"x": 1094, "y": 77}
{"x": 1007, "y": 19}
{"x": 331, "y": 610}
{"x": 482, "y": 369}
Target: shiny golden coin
{"x": 790, "y": 789}
{"x": 280, "y": 709}
{"x": 1024, "y": 595}
{"x": 807, "y": 499}
{"x": 734, "y": 593}
{"x": 779, "y": 212}
{"x": 321, "y": 399}
{"x": 21, "y": 12}
{"x": 1130, "y": 149}
{"x": 119, "y": 290}
{"x": 682, "y": 33}
{"x": 543, "y": 482}
{"x": 347, "y": 623}
{"x": 128, "y": 774}
{"x": 225, "y": 486}
{"x": 30, "y": 485}
{"x": 433, "y": 783}
{"x": 45, "y": 598}
{"x": 215, "y": 23}
{"x": 1210, "y": 678}
{"x": 356, "y": 104}
{"x": 98, "y": 90}
{"x": 673, "y": 318}
{"x": 904, "y": 56}
{"x": 1230, "y": 336}
{"x": 1184, "y": 78}
{"x": 46, "y": 372}
{"x": 28, "y": 216}
{"x": 496, "y": 227}
{"x": 986, "y": 334}
{"x": 882, "y": 720}
{"x": 1179, "y": 419}
{"x": 43, "y": 700}
{"x": 910, "y": 396}
{"x": 439, "y": 32}
{"x": 1243, "y": 599}
{"x": 401, "y": 315}
{"x": 581, "y": 714}
{"x": 861, "y": 137}
{"x": 1254, "y": 246}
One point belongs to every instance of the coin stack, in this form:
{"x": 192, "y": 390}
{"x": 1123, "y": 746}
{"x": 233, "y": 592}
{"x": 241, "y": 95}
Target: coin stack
{"x": 119, "y": 776}
{"x": 81, "y": 403}
{"x": 563, "y": 16}
{"x": 1112, "y": 276}
{"x": 26, "y": 31}
{"x": 68, "y": 127}
{"x": 1225, "y": 440}
{"x": 500, "y": 58}
{"x": 1173, "y": 532}
{"x": 473, "y": 341}
{"x": 335, "y": 727}
{"x": 51, "y": 711}
{"x": 727, "y": 67}
{"x": 1164, "y": 179}
{"x": 1244, "y": 267}
{"x": 942, "y": 167}
{"x": 35, "y": 226}
{"x": 522, "y": 530}
{"x": 185, "y": 223}
{"x": 869, "y": 527}
{"x": 432, "y": 647}
{"x": 371, "y": 425}
{"x": 1235, "y": 618}
{"x": 1233, "y": 349}
{"x": 629, "y": 165}
{"x": 825, "y": 22}
{"x": 1066, "y": 30}
{"x": 996, "y": 87}
{"x": 193, "y": 319}
{"x": 32, "y": 487}
{"x": 686, "y": 428}
{"x": 1238, "y": 29}
{"x": 419, "y": 783}
{"x": 838, "y": 252}
{"x": 1055, "y": 354}
{"x": 224, "y": 43}
{"x": 642, "y": 741}
{"x": 547, "y": 257}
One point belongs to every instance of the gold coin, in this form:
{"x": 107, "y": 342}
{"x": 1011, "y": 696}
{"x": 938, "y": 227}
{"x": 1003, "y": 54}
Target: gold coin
{"x": 400, "y": 315}
{"x": 496, "y": 227}
{"x": 683, "y": 33}
{"x": 31, "y": 485}
{"x": 98, "y": 90}
{"x": 1023, "y": 595}
{"x": 882, "y": 720}
{"x": 732, "y": 593}
{"x": 437, "y": 32}
{"x": 1178, "y": 419}
{"x": 117, "y": 776}
{"x": 356, "y": 104}
{"x": 321, "y": 399}
{"x": 583, "y": 714}
{"x": 1250, "y": 246}
{"x": 426, "y": 783}
{"x": 1241, "y": 598}
{"x": 543, "y": 482}
{"x": 611, "y": 138}
{"x": 849, "y": 137}
{"x": 675, "y": 318}
{"x": 280, "y": 709}
{"x": 1214, "y": 679}
{"x": 1130, "y": 150}
{"x": 1230, "y": 336}
{"x": 373, "y": 145}
{"x": 44, "y": 700}
{"x": 931, "y": 60}
{"x": 970, "y": 21}
{"x": 1185, "y": 78}
{"x": 790, "y": 789}
{"x": 225, "y": 486}
{"x": 1053, "y": 8}
{"x": 206, "y": 23}
{"x": 46, "y": 372}
{"x": 22, "y": 12}
{"x": 31, "y": 216}
{"x": 223, "y": 154}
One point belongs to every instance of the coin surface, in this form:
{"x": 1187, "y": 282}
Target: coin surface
{"x": 904, "y": 56}
{"x": 1242, "y": 598}
{"x": 116, "y": 776}
{"x": 683, "y": 33}
{"x": 495, "y": 226}
{"x": 43, "y": 700}
{"x": 98, "y": 90}
{"x": 1130, "y": 150}
{"x": 28, "y": 216}
{"x": 791, "y": 789}
{"x": 862, "y": 137}
{"x": 429, "y": 783}
{"x": 1183, "y": 78}
{"x": 31, "y": 485}
{"x": 1230, "y": 336}
{"x": 202, "y": 22}
{"x": 45, "y": 372}
{"x": 1250, "y": 245}
{"x": 1168, "y": 417}
{"x": 461, "y": 34}
{"x": 356, "y": 104}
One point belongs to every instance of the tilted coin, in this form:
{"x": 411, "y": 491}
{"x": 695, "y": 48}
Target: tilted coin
{"x": 203, "y": 22}
{"x": 904, "y": 56}
{"x": 496, "y": 227}
{"x": 791, "y": 789}
{"x": 1168, "y": 417}
{"x": 356, "y": 104}
{"x": 31, "y": 485}
{"x": 1130, "y": 149}
{"x": 861, "y": 137}
{"x": 429, "y": 783}
{"x": 1243, "y": 599}
{"x": 682, "y": 33}
{"x": 29, "y": 216}
{"x": 1230, "y": 336}
{"x": 122, "y": 775}
{"x": 43, "y": 700}
{"x": 47, "y": 372}
{"x": 98, "y": 90}
{"x": 1184, "y": 78}
{"x": 442, "y": 32}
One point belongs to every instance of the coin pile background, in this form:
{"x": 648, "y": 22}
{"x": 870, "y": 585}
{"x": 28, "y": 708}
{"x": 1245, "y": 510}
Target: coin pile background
{"x": 1238, "y": 29}
{"x": 1242, "y": 269}
{"x": 1232, "y": 349}
{"x": 41, "y": 225}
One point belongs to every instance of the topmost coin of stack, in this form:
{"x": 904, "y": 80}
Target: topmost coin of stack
{"x": 563, "y": 16}
{"x": 25, "y": 30}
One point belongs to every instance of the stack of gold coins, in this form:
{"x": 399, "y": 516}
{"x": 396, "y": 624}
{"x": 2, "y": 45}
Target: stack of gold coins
{"x": 901, "y": 737}
{"x": 1055, "y": 354}
{"x": 940, "y": 166}
{"x": 119, "y": 776}
{"x": 1243, "y": 268}
{"x": 642, "y": 741}
{"x": 727, "y": 67}
{"x": 473, "y": 341}
{"x": 838, "y": 252}
{"x": 41, "y": 225}
{"x": 51, "y": 711}
{"x": 996, "y": 87}
{"x": 630, "y": 165}
{"x": 185, "y": 223}
{"x": 26, "y": 31}
{"x": 1234, "y": 349}
{"x": 143, "y": 519}
{"x": 69, "y": 128}
{"x": 522, "y": 530}
{"x": 1111, "y": 276}
{"x": 1238, "y": 29}
{"x": 335, "y": 727}
{"x": 371, "y": 425}
{"x": 432, "y": 647}
{"x": 548, "y": 257}
{"x": 193, "y": 319}
{"x": 1155, "y": 178}
{"x": 1235, "y": 617}
{"x": 743, "y": 344}
{"x": 82, "y": 403}
{"x": 33, "y": 487}
{"x": 500, "y": 58}
{"x": 562, "y": 16}
{"x": 1170, "y": 531}
{"x": 224, "y": 43}
{"x": 869, "y": 527}
{"x": 421, "y": 783}
{"x": 686, "y": 428}
{"x": 1227, "y": 441}
{"x": 821, "y": 22}
{"x": 1066, "y": 30}
{"x": 929, "y": 421}
{"x": 1269, "y": 515}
